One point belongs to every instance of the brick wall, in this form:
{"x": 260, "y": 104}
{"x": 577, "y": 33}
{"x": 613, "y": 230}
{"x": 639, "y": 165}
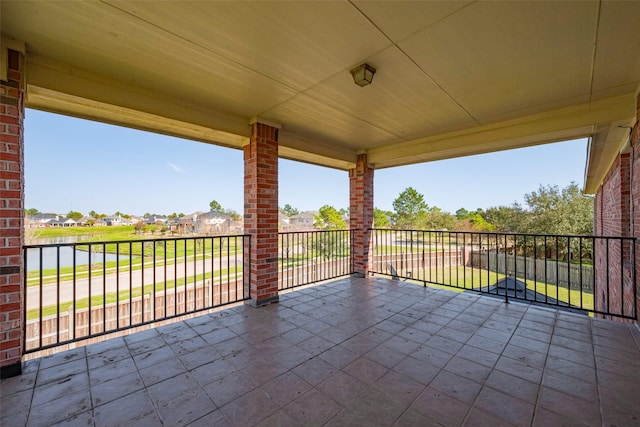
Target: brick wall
{"x": 614, "y": 267}
{"x": 613, "y": 199}
{"x": 261, "y": 212}
{"x": 361, "y": 214}
{"x": 11, "y": 215}
{"x": 635, "y": 192}
{"x": 617, "y": 213}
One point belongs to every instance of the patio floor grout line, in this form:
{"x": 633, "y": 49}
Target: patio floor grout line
{"x": 406, "y": 305}
{"x": 544, "y": 370}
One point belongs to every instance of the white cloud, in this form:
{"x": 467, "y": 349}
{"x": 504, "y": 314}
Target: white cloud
{"x": 176, "y": 168}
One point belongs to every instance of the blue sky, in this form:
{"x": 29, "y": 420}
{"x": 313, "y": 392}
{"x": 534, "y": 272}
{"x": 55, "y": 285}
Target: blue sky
{"x": 73, "y": 164}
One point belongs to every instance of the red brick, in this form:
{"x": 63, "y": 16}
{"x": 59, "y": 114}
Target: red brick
{"x": 261, "y": 210}
{"x": 361, "y": 213}
{"x": 11, "y": 209}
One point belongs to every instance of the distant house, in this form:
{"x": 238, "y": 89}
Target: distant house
{"x": 283, "y": 221}
{"x": 117, "y": 220}
{"x": 155, "y": 219}
{"x": 237, "y": 227}
{"x": 86, "y": 221}
{"x": 187, "y": 224}
{"x": 302, "y": 221}
{"x": 41, "y": 220}
{"x": 213, "y": 222}
{"x": 136, "y": 219}
{"x": 63, "y": 222}
{"x": 171, "y": 224}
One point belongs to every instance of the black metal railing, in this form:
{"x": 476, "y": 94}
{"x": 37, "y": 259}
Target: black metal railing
{"x": 312, "y": 256}
{"x": 75, "y": 291}
{"x": 591, "y": 274}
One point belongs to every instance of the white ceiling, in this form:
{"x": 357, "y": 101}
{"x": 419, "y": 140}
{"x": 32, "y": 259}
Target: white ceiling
{"x": 453, "y": 78}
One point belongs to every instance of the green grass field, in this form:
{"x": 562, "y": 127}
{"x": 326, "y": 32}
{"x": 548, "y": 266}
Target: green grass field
{"x": 465, "y": 278}
{"x": 170, "y": 251}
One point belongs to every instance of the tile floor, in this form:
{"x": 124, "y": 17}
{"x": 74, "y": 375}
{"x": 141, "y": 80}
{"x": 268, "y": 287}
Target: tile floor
{"x": 353, "y": 352}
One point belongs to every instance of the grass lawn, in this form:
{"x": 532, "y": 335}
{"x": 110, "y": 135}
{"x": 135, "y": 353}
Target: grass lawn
{"x": 126, "y": 232}
{"x": 465, "y": 278}
{"x": 173, "y": 251}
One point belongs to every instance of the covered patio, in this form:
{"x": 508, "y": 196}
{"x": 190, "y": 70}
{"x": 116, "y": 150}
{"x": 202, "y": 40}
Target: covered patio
{"x": 274, "y": 79}
{"x": 355, "y": 351}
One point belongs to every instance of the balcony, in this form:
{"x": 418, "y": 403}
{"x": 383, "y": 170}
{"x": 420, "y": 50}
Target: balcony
{"x": 438, "y": 341}
{"x": 353, "y": 351}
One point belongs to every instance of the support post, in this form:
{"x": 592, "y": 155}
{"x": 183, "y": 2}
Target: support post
{"x": 11, "y": 214}
{"x": 361, "y": 215}
{"x": 261, "y": 211}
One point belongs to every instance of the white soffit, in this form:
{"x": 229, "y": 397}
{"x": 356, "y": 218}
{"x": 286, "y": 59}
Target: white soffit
{"x": 453, "y": 78}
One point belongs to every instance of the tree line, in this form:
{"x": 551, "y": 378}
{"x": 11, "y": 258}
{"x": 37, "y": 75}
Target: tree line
{"x": 547, "y": 210}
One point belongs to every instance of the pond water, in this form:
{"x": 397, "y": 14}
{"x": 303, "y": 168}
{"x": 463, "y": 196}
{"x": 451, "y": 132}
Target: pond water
{"x": 51, "y": 256}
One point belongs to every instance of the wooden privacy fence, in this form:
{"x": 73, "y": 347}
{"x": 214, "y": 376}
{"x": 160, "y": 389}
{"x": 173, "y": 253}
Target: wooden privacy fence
{"x": 111, "y": 317}
{"x": 579, "y": 277}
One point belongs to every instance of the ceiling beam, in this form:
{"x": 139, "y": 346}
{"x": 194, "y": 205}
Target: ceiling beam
{"x": 551, "y": 126}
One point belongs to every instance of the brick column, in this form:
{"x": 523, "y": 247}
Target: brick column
{"x": 11, "y": 215}
{"x": 261, "y": 211}
{"x": 361, "y": 214}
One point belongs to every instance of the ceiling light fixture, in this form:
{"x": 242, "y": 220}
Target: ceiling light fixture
{"x": 363, "y": 74}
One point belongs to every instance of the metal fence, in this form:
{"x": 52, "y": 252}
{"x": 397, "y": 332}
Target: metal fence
{"x": 591, "y": 274}
{"x": 75, "y": 291}
{"x": 312, "y": 256}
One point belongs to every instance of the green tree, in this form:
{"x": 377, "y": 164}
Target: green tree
{"x": 215, "y": 206}
{"x": 139, "y": 227}
{"x": 507, "y": 219}
{"x": 559, "y": 211}
{"x": 381, "y": 218}
{"x": 74, "y": 215}
{"x": 479, "y": 223}
{"x": 410, "y": 209}
{"x": 436, "y": 219}
{"x": 32, "y": 211}
{"x": 289, "y": 210}
{"x": 328, "y": 218}
{"x": 331, "y": 244}
{"x": 233, "y": 214}
{"x": 462, "y": 213}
